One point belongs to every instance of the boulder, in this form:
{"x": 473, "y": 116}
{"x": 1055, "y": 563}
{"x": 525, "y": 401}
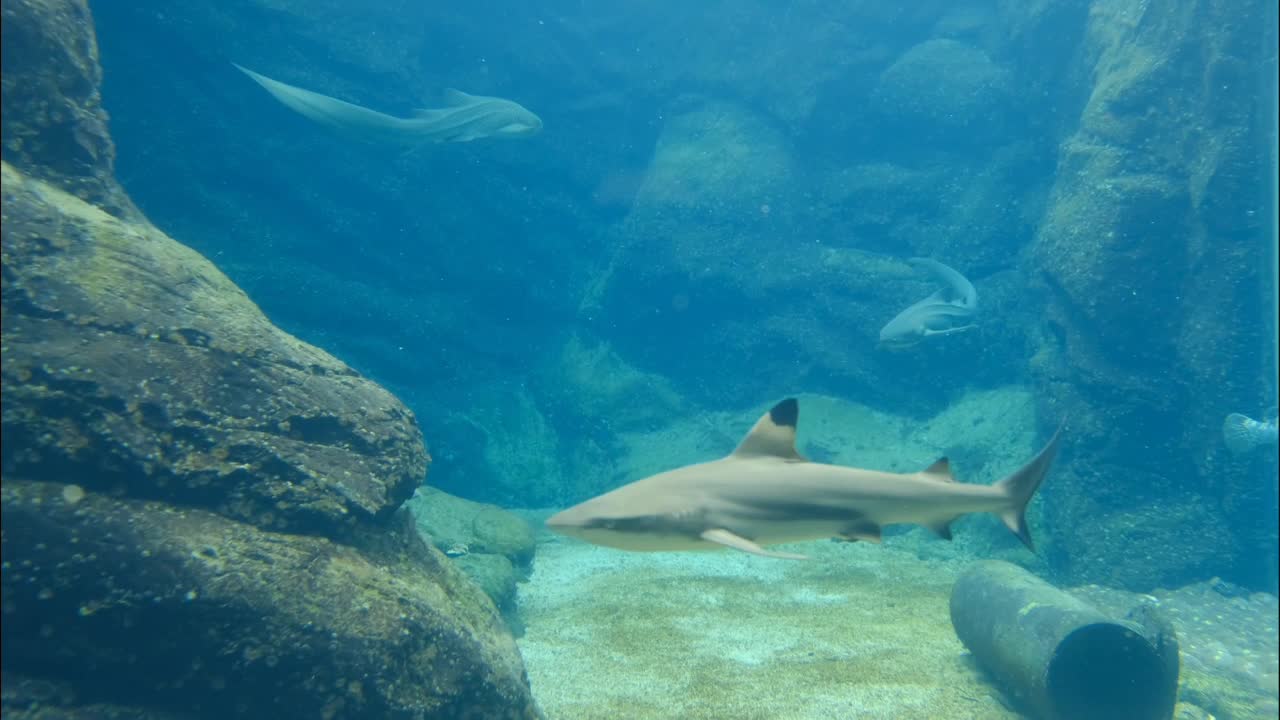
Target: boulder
{"x": 186, "y": 608}
{"x": 133, "y": 365}
{"x": 492, "y": 546}
{"x": 944, "y": 91}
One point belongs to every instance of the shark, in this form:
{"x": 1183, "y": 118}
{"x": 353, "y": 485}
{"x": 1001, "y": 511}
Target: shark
{"x": 463, "y": 119}
{"x": 765, "y": 493}
{"x": 945, "y": 312}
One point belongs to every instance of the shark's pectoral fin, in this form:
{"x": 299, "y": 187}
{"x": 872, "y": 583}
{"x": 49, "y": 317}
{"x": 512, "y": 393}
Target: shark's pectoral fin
{"x": 863, "y": 530}
{"x": 949, "y": 331}
{"x": 720, "y": 536}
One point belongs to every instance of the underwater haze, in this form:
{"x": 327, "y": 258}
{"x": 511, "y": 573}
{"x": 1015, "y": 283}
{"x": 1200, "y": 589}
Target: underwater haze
{"x": 316, "y": 311}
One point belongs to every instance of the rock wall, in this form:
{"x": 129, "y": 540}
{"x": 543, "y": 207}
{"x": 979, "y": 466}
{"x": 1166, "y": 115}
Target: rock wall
{"x": 1150, "y": 246}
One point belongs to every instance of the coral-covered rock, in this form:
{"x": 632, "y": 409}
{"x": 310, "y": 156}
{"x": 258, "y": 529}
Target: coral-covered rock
{"x": 185, "y": 608}
{"x": 133, "y": 365}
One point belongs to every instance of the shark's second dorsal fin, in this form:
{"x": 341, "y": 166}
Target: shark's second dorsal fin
{"x": 774, "y": 434}
{"x": 940, "y": 470}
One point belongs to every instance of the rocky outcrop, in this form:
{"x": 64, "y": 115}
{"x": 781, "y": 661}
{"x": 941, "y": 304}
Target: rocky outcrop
{"x": 51, "y": 115}
{"x": 134, "y": 364}
{"x": 188, "y": 609}
{"x": 201, "y": 512}
{"x": 1149, "y": 246}
{"x": 492, "y": 546}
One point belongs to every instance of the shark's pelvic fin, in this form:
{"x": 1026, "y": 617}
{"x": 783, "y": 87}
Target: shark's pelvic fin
{"x": 940, "y": 470}
{"x": 721, "y": 536}
{"x": 949, "y": 331}
{"x": 863, "y": 530}
{"x": 774, "y": 434}
{"x": 942, "y": 528}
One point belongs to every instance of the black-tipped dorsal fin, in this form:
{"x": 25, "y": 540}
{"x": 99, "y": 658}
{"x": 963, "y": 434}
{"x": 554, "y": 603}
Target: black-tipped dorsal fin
{"x": 940, "y": 470}
{"x": 774, "y": 434}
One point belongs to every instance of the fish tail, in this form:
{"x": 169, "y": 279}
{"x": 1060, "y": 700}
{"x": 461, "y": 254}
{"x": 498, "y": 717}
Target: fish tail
{"x": 1021, "y": 486}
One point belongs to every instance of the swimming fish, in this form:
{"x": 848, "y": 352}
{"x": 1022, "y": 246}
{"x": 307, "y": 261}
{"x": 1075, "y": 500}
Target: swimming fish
{"x": 943, "y": 313}
{"x": 765, "y": 493}
{"x": 1241, "y": 433}
{"x": 465, "y": 117}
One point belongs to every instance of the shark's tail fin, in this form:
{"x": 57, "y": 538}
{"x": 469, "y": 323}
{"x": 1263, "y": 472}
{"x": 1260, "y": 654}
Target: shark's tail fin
{"x": 1021, "y": 486}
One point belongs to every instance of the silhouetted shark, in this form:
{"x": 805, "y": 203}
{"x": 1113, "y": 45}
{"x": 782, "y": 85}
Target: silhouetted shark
{"x": 938, "y": 314}
{"x": 465, "y": 117}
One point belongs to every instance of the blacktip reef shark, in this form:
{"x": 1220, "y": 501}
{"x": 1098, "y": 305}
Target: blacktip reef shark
{"x": 463, "y": 119}
{"x": 765, "y": 493}
{"x": 945, "y": 312}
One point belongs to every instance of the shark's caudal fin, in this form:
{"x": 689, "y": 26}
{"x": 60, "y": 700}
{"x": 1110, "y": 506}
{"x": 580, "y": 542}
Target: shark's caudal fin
{"x": 1021, "y": 486}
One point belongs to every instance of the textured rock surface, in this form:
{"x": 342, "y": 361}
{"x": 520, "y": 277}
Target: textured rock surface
{"x": 160, "y": 435}
{"x": 492, "y": 546}
{"x": 51, "y": 115}
{"x": 1150, "y": 248}
{"x": 30, "y": 698}
{"x": 133, "y": 363}
{"x": 193, "y": 610}
{"x": 945, "y": 91}
{"x": 449, "y": 521}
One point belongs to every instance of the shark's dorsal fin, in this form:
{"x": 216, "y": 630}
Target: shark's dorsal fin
{"x": 774, "y": 434}
{"x": 940, "y": 470}
{"x": 453, "y": 97}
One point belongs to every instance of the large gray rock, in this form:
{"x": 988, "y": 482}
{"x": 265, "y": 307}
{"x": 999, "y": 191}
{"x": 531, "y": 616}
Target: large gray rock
{"x": 185, "y": 608}
{"x": 945, "y": 91}
{"x": 1149, "y": 248}
{"x": 492, "y": 546}
{"x": 135, "y": 366}
{"x": 159, "y": 434}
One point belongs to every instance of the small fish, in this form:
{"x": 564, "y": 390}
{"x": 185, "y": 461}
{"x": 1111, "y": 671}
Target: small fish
{"x": 945, "y": 312}
{"x": 765, "y": 493}
{"x": 1241, "y": 433}
{"x": 465, "y": 117}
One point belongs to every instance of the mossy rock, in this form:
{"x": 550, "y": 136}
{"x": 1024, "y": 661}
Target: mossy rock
{"x": 458, "y": 526}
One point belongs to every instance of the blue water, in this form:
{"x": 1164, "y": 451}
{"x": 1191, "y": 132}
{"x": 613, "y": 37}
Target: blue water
{"x": 718, "y": 214}
{"x": 836, "y": 142}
